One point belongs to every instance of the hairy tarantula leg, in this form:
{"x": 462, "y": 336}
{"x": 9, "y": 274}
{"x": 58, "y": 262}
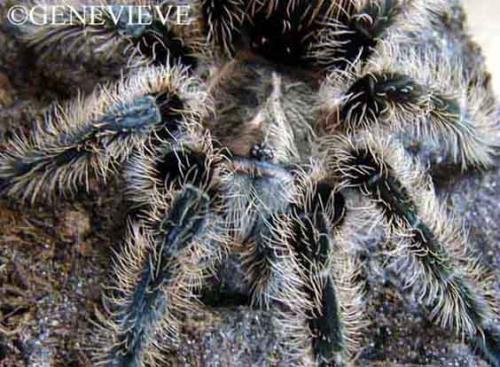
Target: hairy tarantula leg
{"x": 282, "y": 284}
{"x": 94, "y": 135}
{"x": 319, "y": 288}
{"x": 157, "y": 273}
{"x": 353, "y": 33}
{"x": 254, "y": 191}
{"x": 171, "y": 187}
{"x": 222, "y": 20}
{"x": 399, "y": 91}
{"x": 430, "y": 251}
{"x": 324, "y": 33}
{"x": 328, "y": 269}
{"x": 185, "y": 155}
{"x": 350, "y": 36}
{"x": 110, "y": 37}
{"x": 189, "y": 159}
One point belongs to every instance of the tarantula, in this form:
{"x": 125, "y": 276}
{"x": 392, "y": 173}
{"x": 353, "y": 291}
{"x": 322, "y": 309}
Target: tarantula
{"x": 269, "y": 129}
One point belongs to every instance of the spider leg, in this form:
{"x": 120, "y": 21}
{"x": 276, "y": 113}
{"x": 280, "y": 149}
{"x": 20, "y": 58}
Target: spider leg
{"x": 94, "y": 135}
{"x": 157, "y": 273}
{"x": 352, "y": 34}
{"x": 176, "y": 241}
{"x": 321, "y": 33}
{"x": 334, "y": 319}
{"x": 315, "y": 292}
{"x": 283, "y": 284}
{"x": 384, "y": 82}
{"x": 222, "y": 21}
{"x": 429, "y": 250}
{"x": 400, "y": 92}
{"x": 256, "y": 192}
{"x": 110, "y": 38}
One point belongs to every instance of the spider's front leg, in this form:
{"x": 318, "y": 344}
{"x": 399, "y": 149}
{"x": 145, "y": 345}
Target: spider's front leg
{"x": 153, "y": 283}
{"x": 332, "y": 313}
{"x": 294, "y": 263}
{"x": 351, "y": 35}
{"x": 92, "y": 136}
{"x": 107, "y": 36}
{"x": 323, "y": 34}
{"x": 176, "y": 241}
{"x": 429, "y": 250}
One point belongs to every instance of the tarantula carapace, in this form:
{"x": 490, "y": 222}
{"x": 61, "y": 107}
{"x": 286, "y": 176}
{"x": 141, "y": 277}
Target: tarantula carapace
{"x": 270, "y": 129}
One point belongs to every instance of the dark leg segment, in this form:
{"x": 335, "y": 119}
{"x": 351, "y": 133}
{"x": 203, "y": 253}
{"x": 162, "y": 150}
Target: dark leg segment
{"x": 176, "y": 241}
{"x": 315, "y": 300}
{"x": 108, "y": 39}
{"x": 149, "y": 308}
{"x": 312, "y": 240}
{"x": 353, "y": 34}
{"x": 429, "y": 248}
{"x": 92, "y": 137}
